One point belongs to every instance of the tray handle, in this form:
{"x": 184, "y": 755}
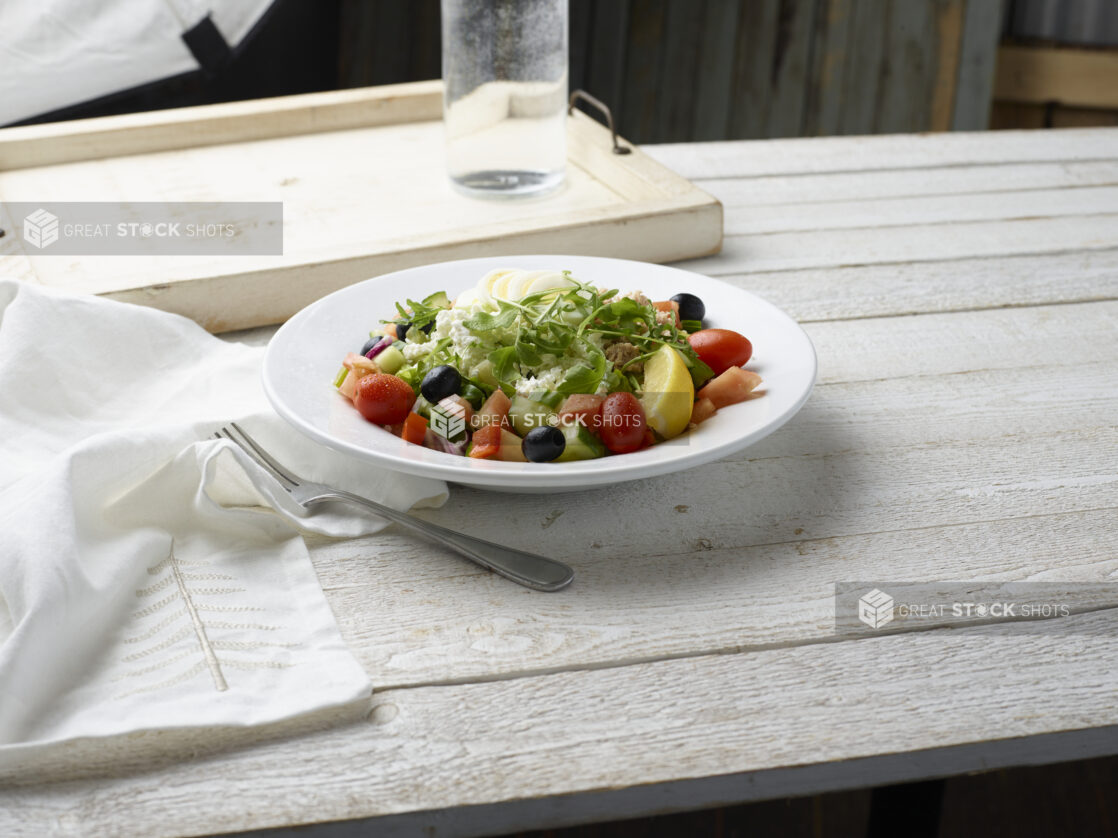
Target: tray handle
{"x": 604, "y": 108}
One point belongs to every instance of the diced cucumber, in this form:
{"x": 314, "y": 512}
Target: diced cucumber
{"x": 581, "y": 443}
{"x": 390, "y": 360}
{"x": 422, "y": 407}
{"x": 525, "y": 414}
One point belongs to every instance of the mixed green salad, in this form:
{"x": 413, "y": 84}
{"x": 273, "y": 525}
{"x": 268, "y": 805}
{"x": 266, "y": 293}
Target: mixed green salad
{"x": 540, "y": 366}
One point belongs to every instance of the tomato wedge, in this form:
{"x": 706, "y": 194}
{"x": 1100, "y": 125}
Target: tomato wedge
{"x": 415, "y": 428}
{"x": 486, "y": 442}
{"x": 733, "y": 386}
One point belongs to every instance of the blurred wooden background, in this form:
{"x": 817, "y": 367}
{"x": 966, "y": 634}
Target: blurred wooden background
{"x": 679, "y": 70}
{"x": 726, "y": 69}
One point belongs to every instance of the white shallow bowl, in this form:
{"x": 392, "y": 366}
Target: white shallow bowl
{"x": 306, "y": 353}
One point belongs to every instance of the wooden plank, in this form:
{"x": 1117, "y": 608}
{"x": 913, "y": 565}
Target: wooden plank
{"x": 210, "y": 125}
{"x": 753, "y": 720}
{"x": 861, "y": 154}
{"x": 680, "y": 79}
{"x": 771, "y": 68}
{"x": 716, "y": 60}
{"x": 753, "y": 61}
{"x": 909, "y": 67}
{"x": 974, "y": 90}
{"x": 823, "y": 112}
{"x": 949, "y": 16}
{"x": 895, "y": 289}
{"x": 644, "y": 69}
{"x": 918, "y": 243}
{"x": 926, "y": 209}
{"x": 605, "y": 76}
{"x": 958, "y": 181}
{"x": 862, "y": 76}
{"x": 1079, "y": 77}
{"x": 791, "y": 65}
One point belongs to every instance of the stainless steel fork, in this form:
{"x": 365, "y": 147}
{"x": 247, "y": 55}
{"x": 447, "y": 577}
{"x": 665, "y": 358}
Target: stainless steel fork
{"x": 532, "y": 571}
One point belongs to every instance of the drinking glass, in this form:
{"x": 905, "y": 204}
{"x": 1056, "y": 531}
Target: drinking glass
{"x": 505, "y": 96}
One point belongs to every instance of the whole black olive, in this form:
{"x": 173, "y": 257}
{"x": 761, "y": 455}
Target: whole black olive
{"x": 543, "y": 444}
{"x": 690, "y": 307}
{"x": 439, "y": 383}
{"x": 370, "y": 343}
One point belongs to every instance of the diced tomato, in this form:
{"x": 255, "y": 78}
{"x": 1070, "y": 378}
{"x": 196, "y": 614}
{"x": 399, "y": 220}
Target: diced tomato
{"x": 486, "y": 442}
{"x": 415, "y": 427}
{"x": 384, "y": 399}
{"x": 585, "y": 408}
{"x": 390, "y": 329}
{"x": 733, "y": 386}
{"x": 721, "y": 349}
{"x": 702, "y": 410}
{"x": 623, "y": 423}
{"x": 494, "y": 411}
{"x": 669, "y": 305}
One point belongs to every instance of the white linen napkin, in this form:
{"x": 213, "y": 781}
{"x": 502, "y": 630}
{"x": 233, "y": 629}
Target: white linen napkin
{"x": 152, "y": 577}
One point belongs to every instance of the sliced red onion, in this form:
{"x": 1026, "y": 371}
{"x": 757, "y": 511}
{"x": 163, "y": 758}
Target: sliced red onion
{"x": 385, "y": 342}
{"x": 440, "y": 443}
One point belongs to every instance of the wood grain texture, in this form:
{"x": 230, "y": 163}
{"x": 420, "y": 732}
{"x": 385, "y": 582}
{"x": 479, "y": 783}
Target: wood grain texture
{"x": 956, "y": 181}
{"x": 751, "y": 717}
{"x": 924, "y": 209}
{"x": 902, "y": 288}
{"x": 977, "y": 57}
{"x": 830, "y": 56}
{"x": 862, "y": 76}
{"x": 924, "y": 242}
{"x": 865, "y": 154}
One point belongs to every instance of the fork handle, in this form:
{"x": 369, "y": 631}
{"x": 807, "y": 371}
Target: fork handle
{"x": 528, "y": 569}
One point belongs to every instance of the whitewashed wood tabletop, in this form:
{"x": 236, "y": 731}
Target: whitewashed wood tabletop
{"x": 962, "y": 293}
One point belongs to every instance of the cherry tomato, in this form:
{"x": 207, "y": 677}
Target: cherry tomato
{"x": 383, "y": 399}
{"x": 721, "y": 349}
{"x": 623, "y": 423}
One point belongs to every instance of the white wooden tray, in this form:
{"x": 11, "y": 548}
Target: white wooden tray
{"x": 362, "y": 178}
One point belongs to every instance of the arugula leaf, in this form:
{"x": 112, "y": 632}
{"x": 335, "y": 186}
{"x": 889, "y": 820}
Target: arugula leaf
{"x": 503, "y": 361}
{"x": 483, "y": 321}
{"x": 583, "y": 377}
{"x": 527, "y": 354}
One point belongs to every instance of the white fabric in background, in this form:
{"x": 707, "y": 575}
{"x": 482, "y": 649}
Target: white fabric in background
{"x": 153, "y": 577}
{"x": 56, "y": 53}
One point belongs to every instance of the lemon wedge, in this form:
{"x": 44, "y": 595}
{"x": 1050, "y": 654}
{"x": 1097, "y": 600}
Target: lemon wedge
{"x": 669, "y": 393}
